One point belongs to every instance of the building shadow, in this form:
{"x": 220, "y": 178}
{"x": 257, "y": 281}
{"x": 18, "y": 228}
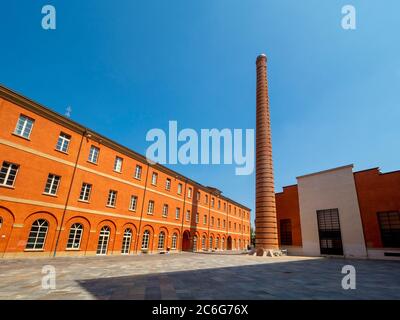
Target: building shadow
{"x": 307, "y": 279}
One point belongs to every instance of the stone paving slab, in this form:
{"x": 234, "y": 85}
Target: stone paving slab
{"x": 198, "y": 276}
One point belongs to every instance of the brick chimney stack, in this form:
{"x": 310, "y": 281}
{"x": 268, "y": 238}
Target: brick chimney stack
{"x": 266, "y": 225}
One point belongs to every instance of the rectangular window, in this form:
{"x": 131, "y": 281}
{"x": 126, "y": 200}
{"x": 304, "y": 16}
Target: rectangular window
{"x": 165, "y": 211}
{"x": 8, "y": 174}
{"x": 112, "y": 198}
{"x": 198, "y": 195}
{"x": 85, "y": 192}
{"x": 94, "y": 154}
{"x": 224, "y": 206}
{"x": 180, "y": 188}
{"x": 212, "y": 221}
{"x": 230, "y": 208}
{"x": 150, "y": 208}
{"x": 212, "y": 202}
{"x": 205, "y": 219}
{"x": 138, "y": 172}
{"x": 206, "y": 199}
{"x": 286, "y": 232}
{"x": 230, "y": 225}
{"x": 24, "y": 126}
{"x": 188, "y": 215}
{"x": 189, "y": 193}
{"x": 219, "y": 222}
{"x": 224, "y": 223}
{"x": 118, "y": 164}
{"x": 63, "y": 142}
{"x": 234, "y": 226}
{"x": 330, "y": 238}
{"x": 52, "y": 184}
{"x": 133, "y": 203}
{"x": 219, "y": 204}
{"x": 168, "y": 184}
{"x": 177, "y": 213}
{"x": 197, "y": 218}
{"x": 389, "y": 223}
{"x": 154, "y": 178}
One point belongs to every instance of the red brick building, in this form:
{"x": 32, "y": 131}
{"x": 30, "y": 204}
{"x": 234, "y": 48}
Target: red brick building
{"x": 338, "y": 212}
{"x": 67, "y": 190}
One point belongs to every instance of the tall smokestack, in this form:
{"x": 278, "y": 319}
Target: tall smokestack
{"x": 266, "y": 229}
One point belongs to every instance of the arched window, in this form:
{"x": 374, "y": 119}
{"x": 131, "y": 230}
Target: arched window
{"x": 203, "y": 243}
{"x": 145, "y": 239}
{"x": 161, "y": 240}
{"x": 211, "y": 243}
{"x": 195, "y": 243}
{"x": 37, "y": 236}
{"x": 75, "y": 236}
{"x": 104, "y": 237}
{"x": 222, "y": 244}
{"x": 174, "y": 239}
{"x": 126, "y": 241}
{"x": 216, "y": 243}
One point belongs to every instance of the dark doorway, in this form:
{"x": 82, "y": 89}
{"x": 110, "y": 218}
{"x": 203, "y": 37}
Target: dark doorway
{"x": 229, "y": 243}
{"x": 186, "y": 241}
{"x": 330, "y": 238}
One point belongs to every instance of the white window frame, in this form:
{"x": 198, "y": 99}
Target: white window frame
{"x": 189, "y": 195}
{"x": 103, "y": 241}
{"x": 8, "y": 168}
{"x": 165, "y": 210}
{"x": 145, "y": 240}
{"x": 187, "y": 215}
{"x": 75, "y": 237}
{"x": 118, "y": 164}
{"x": 86, "y": 191}
{"x": 177, "y": 213}
{"x": 94, "y": 154}
{"x": 133, "y": 203}
{"x": 62, "y": 141}
{"x": 138, "y": 172}
{"x": 38, "y": 241}
{"x": 161, "y": 241}
{"x": 168, "y": 184}
{"x": 126, "y": 241}
{"x": 23, "y": 131}
{"x": 112, "y": 198}
{"x": 54, "y": 180}
{"x": 150, "y": 207}
{"x": 180, "y": 188}
{"x": 174, "y": 241}
{"x": 154, "y": 178}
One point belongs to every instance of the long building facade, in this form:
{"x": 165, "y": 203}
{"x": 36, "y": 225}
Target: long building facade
{"x": 68, "y": 191}
{"x": 339, "y": 212}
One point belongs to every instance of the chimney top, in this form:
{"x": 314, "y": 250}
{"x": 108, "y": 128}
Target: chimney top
{"x": 261, "y": 56}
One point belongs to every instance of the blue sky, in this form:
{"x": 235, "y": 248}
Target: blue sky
{"x": 126, "y": 67}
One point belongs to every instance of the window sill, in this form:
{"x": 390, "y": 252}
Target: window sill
{"x": 50, "y": 195}
{"x": 60, "y": 151}
{"x": 131, "y": 210}
{"x": 34, "y": 250}
{"x": 6, "y": 186}
{"x": 119, "y": 172}
{"x": 139, "y": 179}
{"x": 84, "y": 201}
{"x": 91, "y": 162}
{"x": 71, "y": 249}
{"x": 149, "y": 213}
{"x": 108, "y": 206}
{"x": 22, "y": 137}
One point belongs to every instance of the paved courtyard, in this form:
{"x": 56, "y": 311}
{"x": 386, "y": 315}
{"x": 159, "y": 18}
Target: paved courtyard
{"x": 198, "y": 276}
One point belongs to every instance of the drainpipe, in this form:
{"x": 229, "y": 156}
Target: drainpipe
{"x": 141, "y": 213}
{"x": 69, "y": 193}
{"x": 183, "y": 215}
